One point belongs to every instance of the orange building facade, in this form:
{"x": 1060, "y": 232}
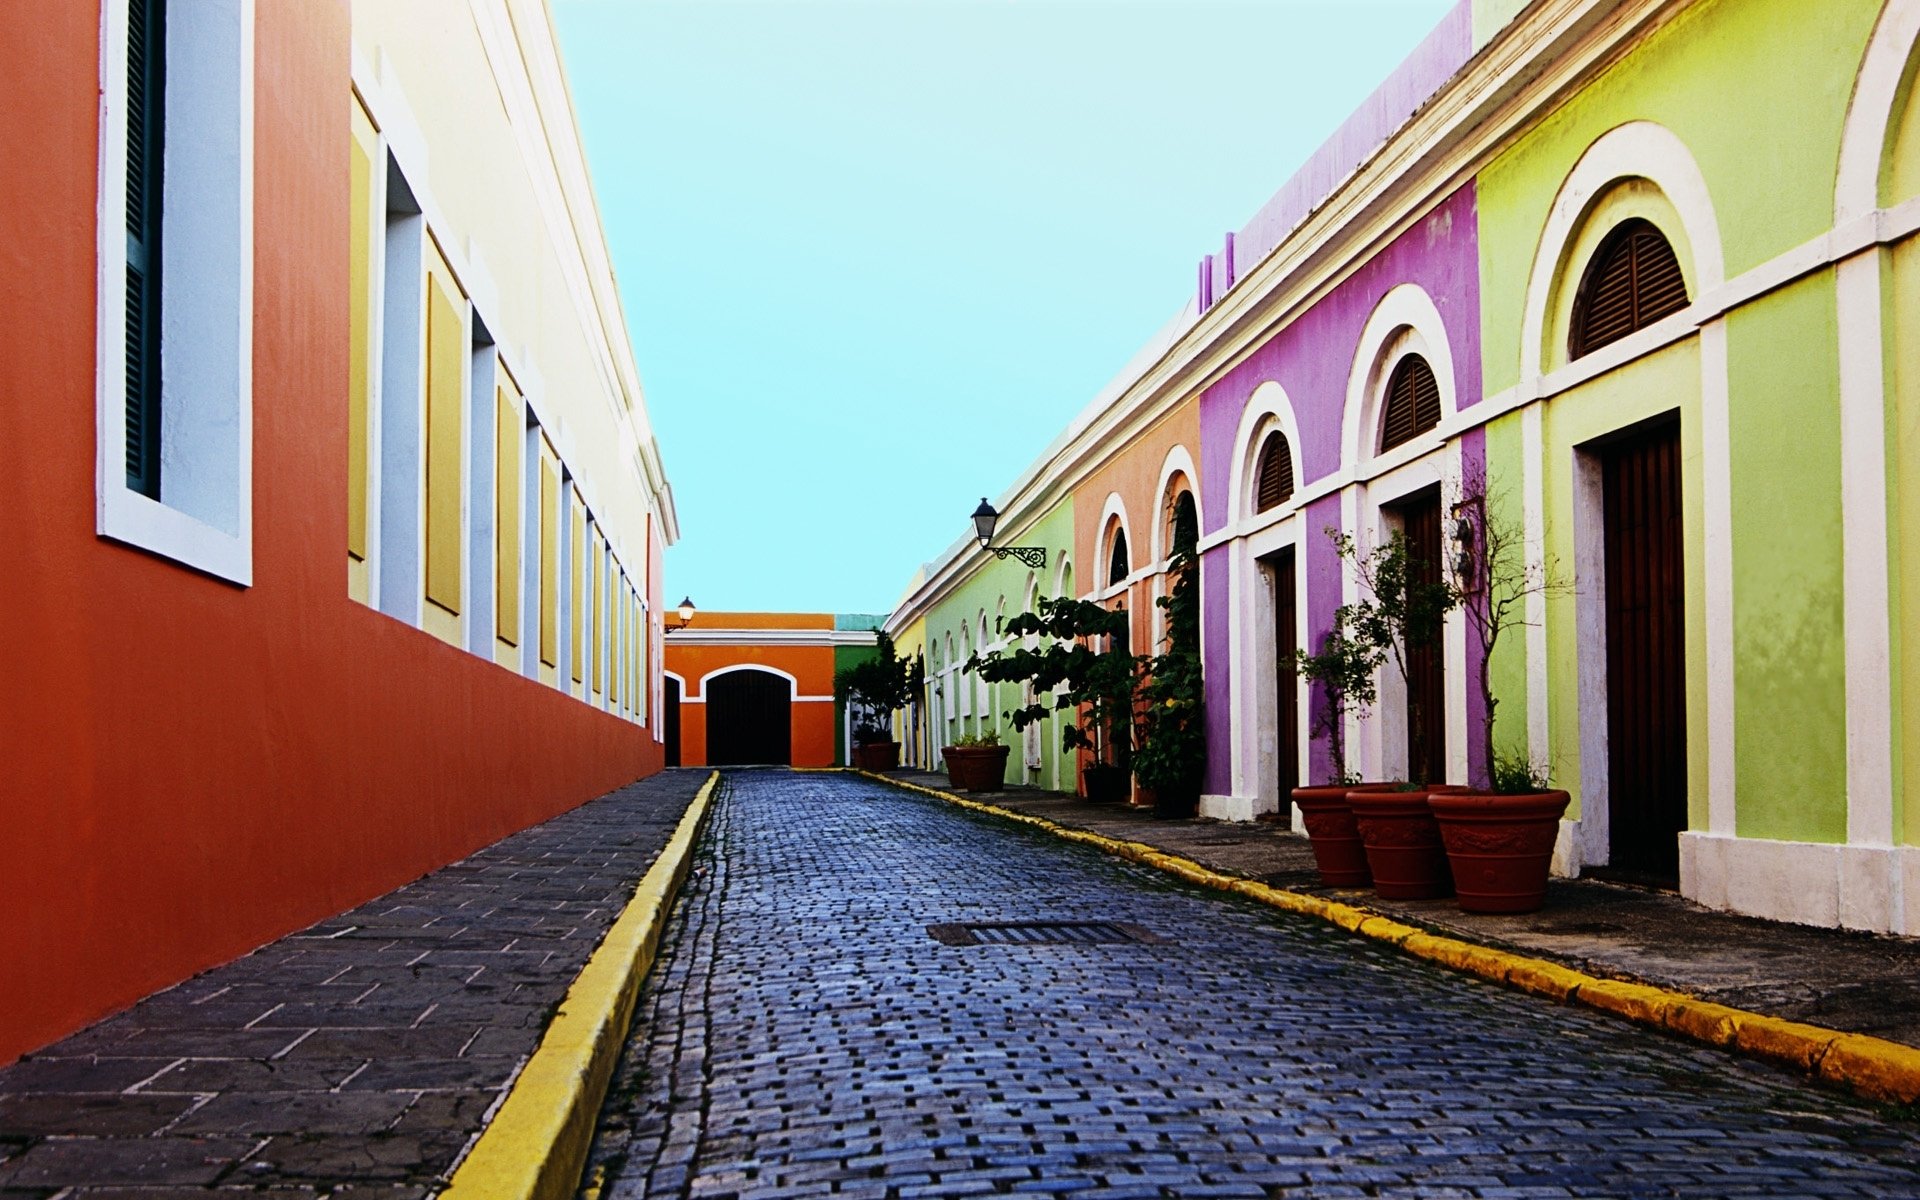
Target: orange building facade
{"x": 214, "y": 733}
{"x": 757, "y": 688}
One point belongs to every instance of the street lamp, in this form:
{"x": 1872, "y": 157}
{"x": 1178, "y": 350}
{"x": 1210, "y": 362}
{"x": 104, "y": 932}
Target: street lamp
{"x": 686, "y": 614}
{"x": 984, "y": 520}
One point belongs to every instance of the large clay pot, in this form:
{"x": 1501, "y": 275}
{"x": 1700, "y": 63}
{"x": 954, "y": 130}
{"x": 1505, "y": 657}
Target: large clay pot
{"x": 1335, "y": 838}
{"x": 877, "y": 756}
{"x": 1500, "y": 847}
{"x": 1404, "y": 850}
{"x": 976, "y": 768}
{"x": 1104, "y": 784}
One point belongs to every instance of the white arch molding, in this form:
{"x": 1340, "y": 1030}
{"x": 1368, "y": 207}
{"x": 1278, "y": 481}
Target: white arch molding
{"x": 1868, "y": 605}
{"x": 1406, "y": 321}
{"x": 793, "y": 684}
{"x": 1267, "y": 410}
{"x": 1114, "y": 508}
{"x": 1178, "y": 462}
{"x": 1636, "y": 150}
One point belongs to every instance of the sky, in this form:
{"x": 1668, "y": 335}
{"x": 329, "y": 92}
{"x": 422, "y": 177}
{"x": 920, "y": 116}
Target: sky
{"x": 876, "y": 254}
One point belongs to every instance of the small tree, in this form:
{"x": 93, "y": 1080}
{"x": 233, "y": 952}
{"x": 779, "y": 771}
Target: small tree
{"x": 1172, "y": 757}
{"x": 1069, "y": 666}
{"x": 877, "y": 687}
{"x": 1344, "y": 668}
{"x": 1401, "y": 612}
{"x": 1495, "y": 584}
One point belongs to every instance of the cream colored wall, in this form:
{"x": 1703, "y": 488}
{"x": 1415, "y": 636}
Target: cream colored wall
{"x": 472, "y": 89}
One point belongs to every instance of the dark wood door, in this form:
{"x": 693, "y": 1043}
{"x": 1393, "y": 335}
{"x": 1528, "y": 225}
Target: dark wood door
{"x": 1426, "y": 662}
{"x": 1286, "y": 676}
{"x": 672, "y": 722}
{"x": 749, "y": 719}
{"x": 1646, "y": 652}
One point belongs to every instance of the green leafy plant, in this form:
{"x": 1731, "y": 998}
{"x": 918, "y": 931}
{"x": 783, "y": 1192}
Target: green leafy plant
{"x": 1078, "y": 661}
{"x": 973, "y": 741}
{"x": 1172, "y": 756}
{"x": 1515, "y": 774}
{"x": 1406, "y": 600}
{"x": 1344, "y": 668}
{"x": 876, "y": 688}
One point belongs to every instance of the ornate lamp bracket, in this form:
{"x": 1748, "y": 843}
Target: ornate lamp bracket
{"x": 1032, "y": 556}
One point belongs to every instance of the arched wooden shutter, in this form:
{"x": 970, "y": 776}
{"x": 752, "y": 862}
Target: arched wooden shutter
{"x": 1633, "y": 281}
{"x": 1118, "y": 569}
{"x": 1413, "y": 402}
{"x": 1275, "y": 473}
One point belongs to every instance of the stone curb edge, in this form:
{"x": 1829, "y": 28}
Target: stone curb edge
{"x": 535, "y": 1148}
{"x": 1873, "y": 1067}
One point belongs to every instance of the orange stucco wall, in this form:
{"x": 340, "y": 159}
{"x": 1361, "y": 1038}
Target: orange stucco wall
{"x": 811, "y": 667}
{"x": 1134, "y": 474}
{"x": 191, "y": 768}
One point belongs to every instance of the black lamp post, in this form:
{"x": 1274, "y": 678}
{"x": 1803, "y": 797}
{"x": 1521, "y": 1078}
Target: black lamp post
{"x": 984, "y": 520}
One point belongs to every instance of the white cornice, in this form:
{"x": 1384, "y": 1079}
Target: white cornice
{"x": 693, "y": 635}
{"x": 1549, "y": 51}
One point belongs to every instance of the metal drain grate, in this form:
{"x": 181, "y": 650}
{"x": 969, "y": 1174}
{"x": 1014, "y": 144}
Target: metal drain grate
{"x": 1044, "y": 933}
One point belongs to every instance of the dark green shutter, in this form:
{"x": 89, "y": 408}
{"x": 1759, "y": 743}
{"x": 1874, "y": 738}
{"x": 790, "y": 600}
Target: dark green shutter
{"x": 146, "y": 107}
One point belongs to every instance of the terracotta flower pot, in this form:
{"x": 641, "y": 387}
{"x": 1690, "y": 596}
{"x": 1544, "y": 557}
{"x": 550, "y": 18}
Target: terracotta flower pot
{"x": 1104, "y": 784}
{"x": 1501, "y": 847}
{"x": 976, "y": 768}
{"x": 1336, "y": 839}
{"x": 877, "y": 756}
{"x": 1404, "y": 850}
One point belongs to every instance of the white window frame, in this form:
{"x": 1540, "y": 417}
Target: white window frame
{"x": 204, "y": 519}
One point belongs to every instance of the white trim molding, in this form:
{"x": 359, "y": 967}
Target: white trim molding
{"x": 1808, "y": 883}
{"x": 1866, "y": 535}
{"x": 204, "y": 515}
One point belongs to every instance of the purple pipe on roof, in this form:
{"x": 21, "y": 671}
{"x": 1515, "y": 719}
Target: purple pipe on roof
{"x": 1414, "y": 82}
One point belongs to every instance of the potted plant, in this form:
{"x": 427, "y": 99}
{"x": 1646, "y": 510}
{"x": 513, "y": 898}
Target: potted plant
{"x": 1172, "y": 755}
{"x": 976, "y": 763}
{"x": 1078, "y": 659}
{"x": 875, "y": 689}
{"x": 1344, "y": 672}
{"x": 1499, "y": 840}
{"x": 1401, "y": 612}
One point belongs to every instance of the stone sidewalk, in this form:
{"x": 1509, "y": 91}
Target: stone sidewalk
{"x": 1856, "y": 982}
{"x": 359, "y": 1057}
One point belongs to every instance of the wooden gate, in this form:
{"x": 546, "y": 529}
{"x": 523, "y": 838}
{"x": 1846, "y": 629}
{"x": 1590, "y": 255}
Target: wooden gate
{"x": 749, "y": 719}
{"x": 1426, "y": 663}
{"x": 1646, "y": 652}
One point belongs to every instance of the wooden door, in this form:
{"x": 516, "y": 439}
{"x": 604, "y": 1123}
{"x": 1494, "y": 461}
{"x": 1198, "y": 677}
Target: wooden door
{"x": 749, "y": 719}
{"x": 1426, "y": 661}
{"x": 1286, "y": 677}
{"x": 1646, "y": 652}
{"x": 672, "y": 726}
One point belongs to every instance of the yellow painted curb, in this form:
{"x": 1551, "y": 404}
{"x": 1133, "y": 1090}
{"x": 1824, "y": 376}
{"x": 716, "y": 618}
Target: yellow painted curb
{"x": 536, "y": 1145}
{"x": 1873, "y": 1067}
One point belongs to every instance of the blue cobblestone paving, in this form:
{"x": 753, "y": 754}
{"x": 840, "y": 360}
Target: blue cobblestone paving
{"x": 803, "y": 1035}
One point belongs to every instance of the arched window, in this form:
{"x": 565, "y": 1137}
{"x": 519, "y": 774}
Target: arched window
{"x": 1633, "y": 281}
{"x": 1275, "y": 473}
{"x": 1117, "y": 567}
{"x": 1413, "y": 402}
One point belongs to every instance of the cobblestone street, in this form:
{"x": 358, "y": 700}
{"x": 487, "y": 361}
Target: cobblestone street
{"x": 803, "y": 1035}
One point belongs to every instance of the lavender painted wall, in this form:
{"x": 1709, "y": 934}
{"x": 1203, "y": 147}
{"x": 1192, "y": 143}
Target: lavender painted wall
{"x": 1416, "y": 80}
{"x": 1312, "y": 360}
